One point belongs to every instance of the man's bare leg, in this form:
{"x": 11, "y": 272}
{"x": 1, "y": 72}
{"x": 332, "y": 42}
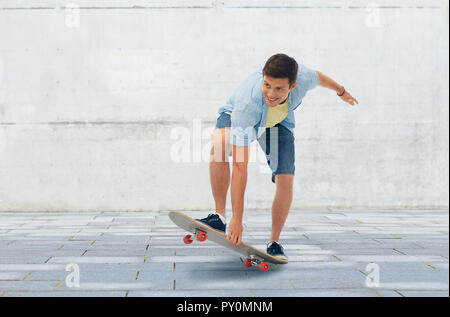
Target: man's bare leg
{"x": 219, "y": 168}
{"x": 281, "y": 203}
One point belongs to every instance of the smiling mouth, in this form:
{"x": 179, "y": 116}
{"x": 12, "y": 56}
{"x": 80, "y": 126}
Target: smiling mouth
{"x": 272, "y": 100}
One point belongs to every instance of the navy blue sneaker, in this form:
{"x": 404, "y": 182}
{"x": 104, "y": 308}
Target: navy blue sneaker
{"x": 275, "y": 249}
{"x": 214, "y": 221}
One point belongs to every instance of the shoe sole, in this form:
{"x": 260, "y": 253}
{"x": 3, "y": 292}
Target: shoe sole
{"x": 281, "y": 257}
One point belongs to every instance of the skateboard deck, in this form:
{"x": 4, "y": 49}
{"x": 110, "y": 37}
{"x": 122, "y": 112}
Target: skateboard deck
{"x": 201, "y": 232}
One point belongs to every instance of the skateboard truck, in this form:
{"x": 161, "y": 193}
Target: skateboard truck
{"x": 254, "y": 260}
{"x": 198, "y": 235}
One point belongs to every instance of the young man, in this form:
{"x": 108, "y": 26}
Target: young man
{"x": 261, "y": 108}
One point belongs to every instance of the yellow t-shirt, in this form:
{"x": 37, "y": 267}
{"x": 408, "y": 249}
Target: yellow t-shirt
{"x": 277, "y": 114}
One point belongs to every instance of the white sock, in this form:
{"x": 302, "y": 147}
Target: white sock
{"x": 224, "y": 220}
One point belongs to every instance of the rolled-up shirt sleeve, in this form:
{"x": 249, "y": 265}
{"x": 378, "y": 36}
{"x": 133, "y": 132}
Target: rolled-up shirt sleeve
{"x": 243, "y": 121}
{"x": 307, "y": 77}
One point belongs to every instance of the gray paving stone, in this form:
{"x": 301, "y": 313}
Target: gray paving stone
{"x": 350, "y": 245}
{"x": 91, "y": 273}
{"x": 386, "y": 293}
{"x": 159, "y": 280}
{"x": 161, "y": 266}
{"x": 27, "y": 285}
{"x": 12, "y": 276}
{"x": 96, "y": 259}
{"x": 315, "y": 292}
{"x": 191, "y": 293}
{"x": 390, "y": 258}
{"x": 30, "y": 267}
{"x": 425, "y": 293}
{"x": 311, "y": 258}
{"x": 114, "y": 253}
{"x": 24, "y": 259}
{"x": 66, "y": 294}
{"x": 441, "y": 265}
{"x": 329, "y": 278}
{"x": 416, "y": 286}
{"x": 227, "y": 280}
{"x": 368, "y": 251}
{"x": 192, "y": 259}
{"x": 116, "y": 286}
{"x": 428, "y": 252}
{"x": 55, "y": 276}
{"x": 108, "y": 245}
{"x": 220, "y": 252}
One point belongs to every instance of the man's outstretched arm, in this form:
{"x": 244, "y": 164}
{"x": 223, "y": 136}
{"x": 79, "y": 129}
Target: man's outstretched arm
{"x": 329, "y": 83}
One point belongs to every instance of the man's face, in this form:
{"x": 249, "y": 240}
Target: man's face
{"x": 275, "y": 90}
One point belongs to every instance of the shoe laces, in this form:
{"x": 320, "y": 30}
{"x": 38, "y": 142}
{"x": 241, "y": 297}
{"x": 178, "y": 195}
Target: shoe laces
{"x": 276, "y": 248}
{"x": 210, "y": 216}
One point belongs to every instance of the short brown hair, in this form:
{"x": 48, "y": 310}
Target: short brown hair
{"x": 281, "y": 66}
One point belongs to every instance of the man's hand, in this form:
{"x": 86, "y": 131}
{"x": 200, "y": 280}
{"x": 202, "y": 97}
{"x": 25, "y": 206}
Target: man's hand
{"x": 349, "y": 99}
{"x": 235, "y": 231}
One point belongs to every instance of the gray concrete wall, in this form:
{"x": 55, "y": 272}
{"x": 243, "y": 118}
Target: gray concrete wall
{"x": 109, "y": 105}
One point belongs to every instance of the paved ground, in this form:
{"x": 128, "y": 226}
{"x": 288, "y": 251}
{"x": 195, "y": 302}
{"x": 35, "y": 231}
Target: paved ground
{"x": 332, "y": 253}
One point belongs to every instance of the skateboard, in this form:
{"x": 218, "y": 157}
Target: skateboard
{"x": 202, "y": 232}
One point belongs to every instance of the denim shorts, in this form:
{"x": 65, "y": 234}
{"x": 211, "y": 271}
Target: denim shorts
{"x": 281, "y": 159}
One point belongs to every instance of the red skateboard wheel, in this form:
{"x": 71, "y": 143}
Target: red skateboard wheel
{"x": 264, "y": 267}
{"x": 248, "y": 263}
{"x": 202, "y": 236}
{"x": 187, "y": 239}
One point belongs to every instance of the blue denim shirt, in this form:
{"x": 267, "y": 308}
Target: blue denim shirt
{"x": 249, "y": 111}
